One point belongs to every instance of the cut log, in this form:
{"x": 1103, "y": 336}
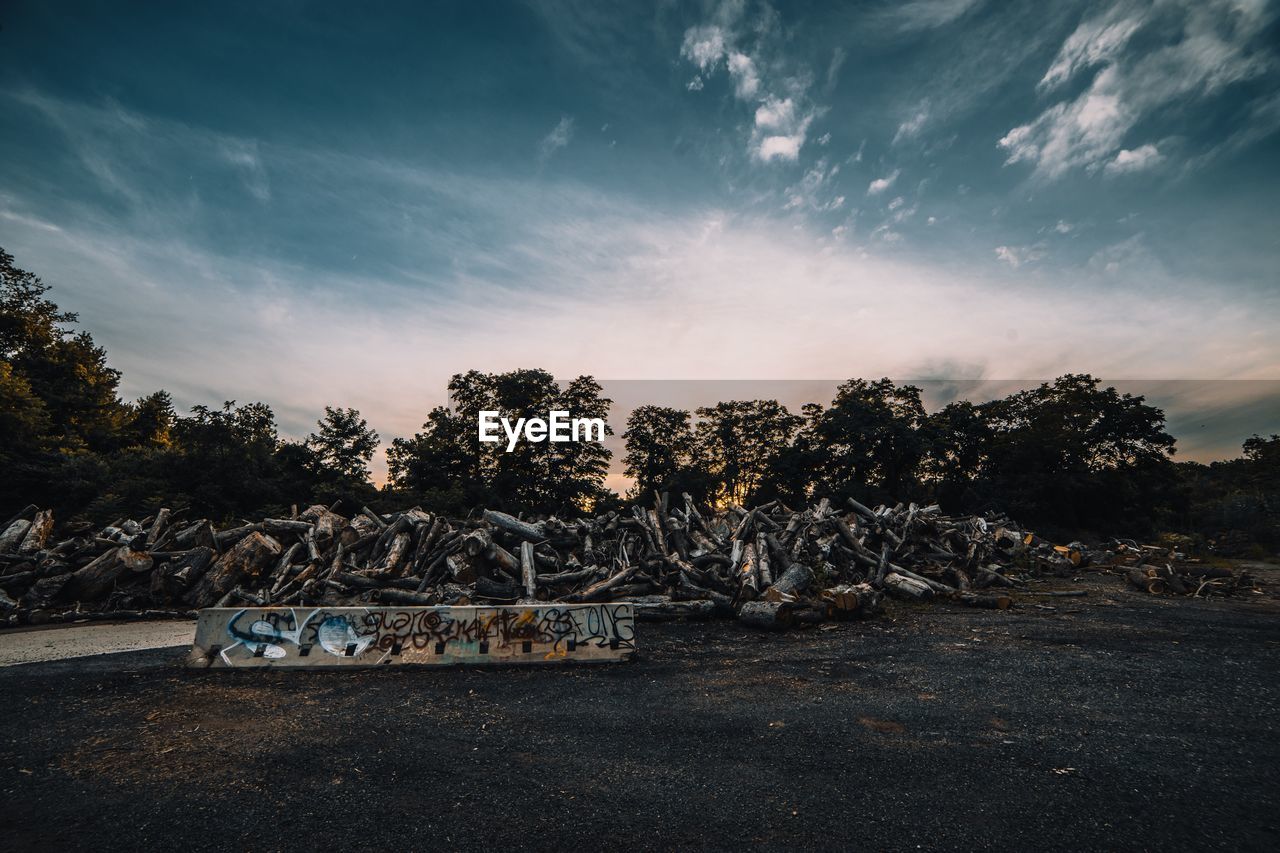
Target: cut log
{"x": 1147, "y": 583}
{"x": 523, "y": 529}
{"x": 528, "y": 571}
{"x": 13, "y": 535}
{"x": 901, "y": 586}
{"x": 768, "y": 615}
{"x": 38, "y": 533}
{"x": 659, "y": 608}
{"x": 795, "y": 581}
{"x": 246, "y": 559}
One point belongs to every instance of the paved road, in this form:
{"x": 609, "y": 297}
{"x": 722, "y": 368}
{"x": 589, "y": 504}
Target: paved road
{"x": 92, "y": 638}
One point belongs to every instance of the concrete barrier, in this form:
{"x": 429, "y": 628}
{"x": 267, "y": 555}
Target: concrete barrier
{"x": 435, "y": 636}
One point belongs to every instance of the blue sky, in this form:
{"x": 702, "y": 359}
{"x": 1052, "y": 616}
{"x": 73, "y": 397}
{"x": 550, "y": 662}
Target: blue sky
{"x": 306, "y": 203}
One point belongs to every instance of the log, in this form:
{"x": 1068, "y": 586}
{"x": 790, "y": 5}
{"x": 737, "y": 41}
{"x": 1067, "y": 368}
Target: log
{"x": 496, "y": 590}
{"x": 600, "y": 591}
{"x": 793, "y": 583}
{"x": 392, "y": 595}
{"x": 1141, "y": 580}
{"x": 989, "y": 602}
{"x": 13, "y": 535}
{"x": 37, "y": 533}
{"x": 45, "y": 591}
{"x": 901, "y": 586}
{"x": 523, "y": 529}
{"x": 246, "y": 559}
{"x": 853, "y": 599}
{"x": 528, "y": 571}
{"x": 767, "y": 615}
{"x": 171, "y": 580}
{"x": 98, "y": 577}
{"x": 659, "y": 608}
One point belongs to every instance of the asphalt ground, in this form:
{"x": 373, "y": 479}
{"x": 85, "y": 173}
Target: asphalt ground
{"x": 1116, "y": 721}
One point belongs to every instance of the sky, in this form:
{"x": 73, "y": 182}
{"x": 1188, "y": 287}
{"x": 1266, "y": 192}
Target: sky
{"x": 308, "y": 204}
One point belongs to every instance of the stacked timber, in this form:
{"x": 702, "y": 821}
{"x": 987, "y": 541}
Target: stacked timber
{"x": 770, "y": 566}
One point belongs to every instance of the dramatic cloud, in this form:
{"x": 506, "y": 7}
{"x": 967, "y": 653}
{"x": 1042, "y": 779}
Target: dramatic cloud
{"x": 1190, "y": 52}
{"x": 783, "y": 113}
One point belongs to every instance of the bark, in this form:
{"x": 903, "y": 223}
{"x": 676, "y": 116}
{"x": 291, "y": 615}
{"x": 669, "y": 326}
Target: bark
{"x": 247, "y": 560}
{"x": 769, "y": 615}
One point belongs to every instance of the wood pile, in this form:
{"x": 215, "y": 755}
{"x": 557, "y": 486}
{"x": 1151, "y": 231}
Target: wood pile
{"x": 771, "y": 566}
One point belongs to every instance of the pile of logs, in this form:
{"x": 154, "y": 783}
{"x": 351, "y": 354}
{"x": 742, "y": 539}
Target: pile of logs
{"x": 1155, "y": 570}
{"x": 770, "y": 566}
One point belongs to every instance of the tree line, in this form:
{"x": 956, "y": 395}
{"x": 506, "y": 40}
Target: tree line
{"x": 1068, "y": 457}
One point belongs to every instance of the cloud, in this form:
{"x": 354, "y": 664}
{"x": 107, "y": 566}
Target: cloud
{"x": 838, "y": 57}
{"x": 1190, "y": 53}
{"x": 929, "y": 14}
{"x": 703, "y": 46}
{"x": 879, "y": 185}
{"x": 558, "y": 138}
{"x": 783, "y": 112}
{"x": 746, "y": 82}
{"x": 1134, "y": 161}
{"x": 814, "y": 192}
{"x": 913, "y": 125}
{"x": 1095, "y": 41}
{"x": 1017, "y": 256}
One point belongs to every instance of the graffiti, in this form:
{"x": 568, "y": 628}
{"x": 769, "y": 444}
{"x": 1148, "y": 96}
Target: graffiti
{"x": 433, "y": 635}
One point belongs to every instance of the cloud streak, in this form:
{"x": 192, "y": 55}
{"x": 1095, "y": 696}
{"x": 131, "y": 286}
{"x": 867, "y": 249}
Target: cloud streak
{"x": 1191, "y": 52}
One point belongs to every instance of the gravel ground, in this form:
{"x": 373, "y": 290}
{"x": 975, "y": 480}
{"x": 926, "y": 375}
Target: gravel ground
{"x": 1115, "y": 721}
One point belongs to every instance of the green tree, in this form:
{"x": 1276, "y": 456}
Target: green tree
{"x": 343, "y": 446}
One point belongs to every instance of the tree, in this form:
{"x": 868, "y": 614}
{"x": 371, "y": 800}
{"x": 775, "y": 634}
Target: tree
{"x": 153, "y": 420}
{"x": 868, "y": 443}
{"x": 343, "y": 447}
{"x": 660, "y": 450}
{"x": 738, "y": 444}
{"x": 956, "y": 438}
{"x": 446, "y": 461}
{"x": 1072, "y": 455}
{"x": 226, "y": 461}
{"x": 65, "y": 370}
